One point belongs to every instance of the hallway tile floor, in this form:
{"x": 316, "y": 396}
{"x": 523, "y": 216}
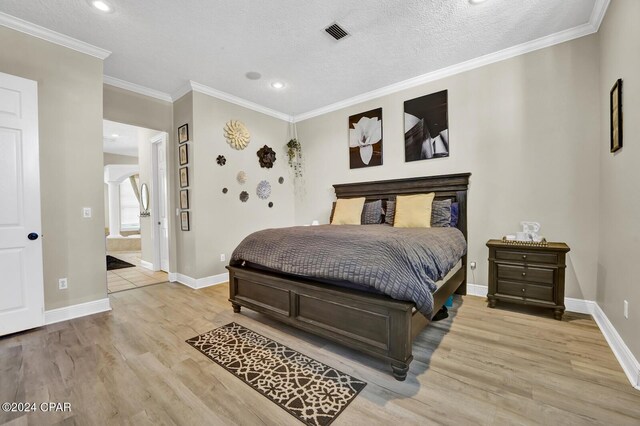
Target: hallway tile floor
{"x": 128, "y": 278}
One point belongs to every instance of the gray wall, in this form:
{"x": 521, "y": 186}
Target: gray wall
{"x": 619, "y": 173}
{"x": 527, "y": 129}
{"x": 185, "y": 240}
{"x": 220, "y": 221}
{"x": 71, "y": 163}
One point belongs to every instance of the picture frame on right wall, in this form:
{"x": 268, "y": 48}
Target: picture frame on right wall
{"x": 615, "y": 103}
{"x": 184, "y": 177}
{"x": 426, "y": 127}
{"x": 184, "y": 221}
{"x": 183, "y": 133}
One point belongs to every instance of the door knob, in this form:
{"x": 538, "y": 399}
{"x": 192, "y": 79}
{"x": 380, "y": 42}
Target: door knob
{"x": 32, "y": 236}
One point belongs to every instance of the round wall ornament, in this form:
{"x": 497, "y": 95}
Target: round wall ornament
{"x": 263, "y": 190}
{"x": 244, "y": 196}
{"x": 237, "y": 134}
{"x": 225, "y": 190}
{"x": 280, "y": 180}
{"x": 242, "y": 177}
{"x": 266, "y": 157}
{"x": 270, "y": 204}
{"x": 221, "y": 160}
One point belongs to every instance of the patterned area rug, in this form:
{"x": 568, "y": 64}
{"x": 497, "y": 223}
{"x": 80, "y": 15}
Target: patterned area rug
{"x": 309, "y": 390}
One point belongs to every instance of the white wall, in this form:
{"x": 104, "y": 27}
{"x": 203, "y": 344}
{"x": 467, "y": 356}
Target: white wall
{"x": 619, "y": 200}
{"x": 526, "y": 128}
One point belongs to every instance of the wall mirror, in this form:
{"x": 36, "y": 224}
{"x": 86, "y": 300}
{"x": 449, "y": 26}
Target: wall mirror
{"x": 144, "y": 199}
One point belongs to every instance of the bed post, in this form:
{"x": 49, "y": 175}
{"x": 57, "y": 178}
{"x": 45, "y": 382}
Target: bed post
{"x": 461, "y": 197}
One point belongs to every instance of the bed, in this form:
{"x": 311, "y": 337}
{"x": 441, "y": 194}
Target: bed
{"x": 373, "y": 323}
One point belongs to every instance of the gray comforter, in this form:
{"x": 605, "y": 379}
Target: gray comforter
{"x": 403, "y": 263}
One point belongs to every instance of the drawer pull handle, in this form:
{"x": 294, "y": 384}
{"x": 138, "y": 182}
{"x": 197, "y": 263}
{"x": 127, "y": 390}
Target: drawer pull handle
{"x": 523, "y": 290}
{"x": 524, "y": 274}
{"x": 524, "y": 256}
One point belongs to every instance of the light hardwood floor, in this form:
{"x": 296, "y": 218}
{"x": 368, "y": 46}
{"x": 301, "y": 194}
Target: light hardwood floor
{"x": 480, "y": 366}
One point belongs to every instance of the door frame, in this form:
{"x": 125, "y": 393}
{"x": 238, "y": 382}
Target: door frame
{"x": 155, "y": 208}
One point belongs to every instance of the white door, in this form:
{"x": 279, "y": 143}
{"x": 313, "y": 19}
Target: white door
{"x": 162, "y": 221}
{"x": 21, "y": 283}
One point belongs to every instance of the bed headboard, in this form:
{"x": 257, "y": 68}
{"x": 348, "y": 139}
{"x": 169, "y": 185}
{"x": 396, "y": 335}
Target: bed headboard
{"x": 453, "y": 186}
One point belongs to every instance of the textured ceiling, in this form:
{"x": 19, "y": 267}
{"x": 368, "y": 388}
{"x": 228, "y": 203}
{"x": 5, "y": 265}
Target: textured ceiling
{"x": 161, "y": 44}
{"x": 126, "y": 143}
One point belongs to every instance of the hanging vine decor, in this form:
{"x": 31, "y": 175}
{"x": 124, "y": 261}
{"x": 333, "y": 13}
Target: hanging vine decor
{"x": 237, "y": 134}
{"x": 266, "y": 157}
{"x": 221, "y": 160}
{"x": 263, "y": 190}
{"x": 294, "y": 152}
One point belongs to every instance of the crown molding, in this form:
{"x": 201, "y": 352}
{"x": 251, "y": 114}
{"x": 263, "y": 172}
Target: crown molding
{"x": 112, "y": 81}
{"x": 598, "y": 12}
{"x": 201, "y": 88}
{"x": 597, "y": 15}
{"x": 52, "y": 36}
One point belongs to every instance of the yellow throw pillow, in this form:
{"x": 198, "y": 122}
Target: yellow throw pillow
{"x": 348, "y": 211}
{"x": 413, "y": 211}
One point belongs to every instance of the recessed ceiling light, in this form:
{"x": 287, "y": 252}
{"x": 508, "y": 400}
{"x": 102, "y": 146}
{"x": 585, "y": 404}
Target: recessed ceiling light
{"x": 101, "y": 5}
{"x": 252, "y": 75}
{"x": 277, "y": 85}
{"x": 115, "y": 135}
{"x": 476, "y": 1}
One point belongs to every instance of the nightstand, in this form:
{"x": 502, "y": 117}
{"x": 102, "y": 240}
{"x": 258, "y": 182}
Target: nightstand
{"x": 529, "y": 275}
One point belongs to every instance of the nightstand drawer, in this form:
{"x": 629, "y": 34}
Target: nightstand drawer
{"x": 537, "y": 275}
{"x": 526, "y": 291}
{"x": 521, "y": 256}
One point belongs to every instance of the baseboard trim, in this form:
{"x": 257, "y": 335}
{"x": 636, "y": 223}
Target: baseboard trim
{"x": 572, "y": 305}
{"x": 629, "y": 363}
{"x": 76, "y": 311}
{"x": 147, "y": 265}
{"x": 173, "y": 277}
{"x": 198, "y": 283}
{"x": 623, "y": 354}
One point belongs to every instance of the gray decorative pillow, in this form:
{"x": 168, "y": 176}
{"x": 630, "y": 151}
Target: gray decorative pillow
{"x": 390, "y": 213}
{"x": 441, "y": 213}
{"x": 372, "y": 213}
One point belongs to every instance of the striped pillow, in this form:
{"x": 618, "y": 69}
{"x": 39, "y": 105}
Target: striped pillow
{"x": 441, "y": 213}
{"x": 372, "y": 213}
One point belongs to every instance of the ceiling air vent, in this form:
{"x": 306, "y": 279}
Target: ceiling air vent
{"x": 336, "y": 31}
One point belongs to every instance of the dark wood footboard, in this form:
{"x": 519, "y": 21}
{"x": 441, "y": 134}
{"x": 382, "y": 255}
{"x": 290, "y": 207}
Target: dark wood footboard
{"x": 375, "y": 324}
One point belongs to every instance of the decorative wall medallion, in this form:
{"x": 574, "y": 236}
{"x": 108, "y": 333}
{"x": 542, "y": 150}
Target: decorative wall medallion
{"x": 244, "y": 196}
{"x": 263, "y": 190}
{"x": 237, "y": 134}
{"x": 280, "y": 180}
{"x": 242, "y": 177}
{"x": 266, "y": 156}
{"x": 225, "y": 190}
{"x": 270, "y": 204}
{"x": 221, "y": 160}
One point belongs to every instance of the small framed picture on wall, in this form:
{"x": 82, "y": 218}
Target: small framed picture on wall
{"x": 183, "y": 133}
{"x": 616, "y": 116}
{"x": 184, "y": 177}
{"x": 184, "y": 221}
{"x": 184, "y": 199}
{"x": 183, "y": 152}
